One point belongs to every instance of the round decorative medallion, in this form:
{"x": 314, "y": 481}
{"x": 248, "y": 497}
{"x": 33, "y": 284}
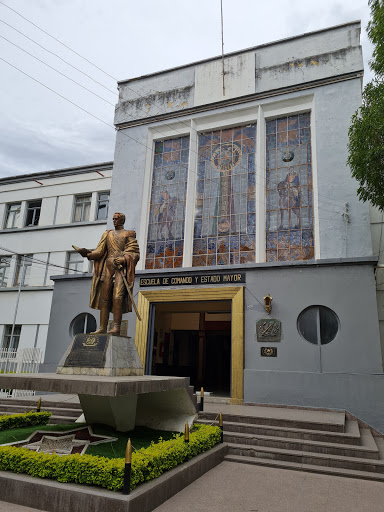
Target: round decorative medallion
{"x": 169, "y": 175}
{"x": 223, "y": 226}
{"x": 288, "y": 156}
{"x": 226, "y": 157}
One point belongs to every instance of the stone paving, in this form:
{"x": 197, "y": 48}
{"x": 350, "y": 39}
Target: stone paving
{"x": 232, "y": 487}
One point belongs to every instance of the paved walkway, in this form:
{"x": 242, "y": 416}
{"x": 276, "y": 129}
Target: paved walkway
{"x": 232, "y": 487}
{"x": 9, "y": 507}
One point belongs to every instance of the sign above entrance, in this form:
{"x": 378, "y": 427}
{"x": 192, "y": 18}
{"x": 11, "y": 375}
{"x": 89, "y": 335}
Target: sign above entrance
{"x": 193, "y": 279}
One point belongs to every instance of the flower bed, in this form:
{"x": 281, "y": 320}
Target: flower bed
{"x": 27, "y": 419}
{"x": 147, "y": 463}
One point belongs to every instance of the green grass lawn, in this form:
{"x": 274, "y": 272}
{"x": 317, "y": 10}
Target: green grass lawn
{"x": 140, "y": 437}
{"x": 18, "y": 434}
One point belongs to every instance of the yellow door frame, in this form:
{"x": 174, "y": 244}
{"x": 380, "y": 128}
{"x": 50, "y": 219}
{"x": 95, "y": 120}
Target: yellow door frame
{"x": 235, "y": 294}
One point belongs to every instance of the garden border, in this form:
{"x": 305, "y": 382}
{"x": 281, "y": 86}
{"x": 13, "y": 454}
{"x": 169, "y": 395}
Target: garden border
{"x": 50, "y": 496}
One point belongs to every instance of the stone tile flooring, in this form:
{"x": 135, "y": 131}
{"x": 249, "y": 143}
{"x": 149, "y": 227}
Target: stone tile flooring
{"x": 232, "y": 487}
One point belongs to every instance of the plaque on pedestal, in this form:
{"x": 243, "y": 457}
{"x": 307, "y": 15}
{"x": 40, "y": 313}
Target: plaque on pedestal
{"x": 101, "y": 354}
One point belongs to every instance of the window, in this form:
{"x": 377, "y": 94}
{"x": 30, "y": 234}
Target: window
{"x": 102, "y": 205}
{"x": 82, "y": 324}
{"x": 5, "y": 263}
{"x": 318, "y": 325}
{"x": 82, "y": 208}
{"x": 33, "y": 213}
{"x": 225, "y": 209}
{"x": 11, "y": 342}
{"x": 289, "y": 208}
{"x": 74, "y": 263}
{"x": 13, "y": 216}
{"x": 23, "y": 270}
{"x": 167, "y": 209}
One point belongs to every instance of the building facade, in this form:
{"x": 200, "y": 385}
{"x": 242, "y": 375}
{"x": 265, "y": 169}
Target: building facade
{"x": 233, "y": 173}
{"x": 41, "y": 216}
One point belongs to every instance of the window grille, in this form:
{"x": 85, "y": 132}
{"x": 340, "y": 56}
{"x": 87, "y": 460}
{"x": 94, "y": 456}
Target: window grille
{"x": 13, "y": 216}
{"x": 5, "y": 263}
{"x": 33, "y": 213}
{"x": 102, "y": 205}
{"x": 74, "y": 263}
{"x": 82, "y": 208}
{"x": 23, "y": 270}
{"x": 11, "y": 342}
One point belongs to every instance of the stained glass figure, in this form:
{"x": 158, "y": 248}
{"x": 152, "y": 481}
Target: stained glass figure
{"x": 225, "y": 210}
{"x": 167, "y": 209}
{"x": 289, "y": 208}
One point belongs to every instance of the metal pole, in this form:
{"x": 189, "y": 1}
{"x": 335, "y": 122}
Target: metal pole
{"x": 222, "y": 44}
{"x": 17, "y": 301}
{"x": 186, "y": 432}
{"x": 202, "y": 399}
{"x": 127, "y": 468}
{"x": 221, "y": 427}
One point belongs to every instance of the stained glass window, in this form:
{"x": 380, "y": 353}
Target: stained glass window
{"x": 167, "y": 209}
{"x": 289, "y": 208}
{"x": 224, "y": 230}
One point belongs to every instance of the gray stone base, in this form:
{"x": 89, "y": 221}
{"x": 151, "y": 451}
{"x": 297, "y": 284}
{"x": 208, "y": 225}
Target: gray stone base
{"x": 103, "y": 372}
{"x": 102, "y": 354}
{"x": 163, "y": 403}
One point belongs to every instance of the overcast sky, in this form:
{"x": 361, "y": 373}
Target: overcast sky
{"x": 40, "y": 131}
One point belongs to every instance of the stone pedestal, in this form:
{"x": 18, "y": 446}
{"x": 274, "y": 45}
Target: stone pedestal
{"x": 118, "y": 412}
{"x": 101, "y": 354}
{"x": 163, "y": 403}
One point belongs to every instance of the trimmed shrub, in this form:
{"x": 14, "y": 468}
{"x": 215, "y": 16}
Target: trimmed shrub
{"x": 27, "y": 419}
{"x": 147, "y": 463}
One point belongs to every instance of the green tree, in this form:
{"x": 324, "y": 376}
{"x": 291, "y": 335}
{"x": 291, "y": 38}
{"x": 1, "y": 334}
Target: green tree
{"x": 366, "y": 133}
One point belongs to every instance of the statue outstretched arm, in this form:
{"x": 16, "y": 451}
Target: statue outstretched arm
{"x": 98, "y": 253}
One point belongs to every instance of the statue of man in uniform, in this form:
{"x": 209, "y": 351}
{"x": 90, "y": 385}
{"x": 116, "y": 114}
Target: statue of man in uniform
{"x": 115, "y": 258}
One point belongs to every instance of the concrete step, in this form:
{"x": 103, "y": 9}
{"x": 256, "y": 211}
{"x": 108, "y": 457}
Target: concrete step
{"x": 328, "y": 470}
{"x": 351, "y": 436}
{"x": 368, "y": 448}
{"x": 59, "y": 411}
{"x": 62, "y": 420}
{"x": 280, "y": 417}
{"x": 308, "y": 458}
{"x": 33, "y": 403}
{"x": 211, "y": 399}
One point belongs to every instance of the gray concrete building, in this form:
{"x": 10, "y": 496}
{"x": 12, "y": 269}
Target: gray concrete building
{"x": 233, "y": 174}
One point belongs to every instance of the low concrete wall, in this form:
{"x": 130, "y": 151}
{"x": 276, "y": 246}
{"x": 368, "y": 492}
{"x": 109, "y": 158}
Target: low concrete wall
{"x": 360, "y": 394}
{"x": 53, "y": 496}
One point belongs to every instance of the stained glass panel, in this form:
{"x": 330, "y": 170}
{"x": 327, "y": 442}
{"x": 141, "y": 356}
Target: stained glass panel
{"x": 167, "y": 209}
{"x": 289, "y": 208}
{"x": 224, "y": 230}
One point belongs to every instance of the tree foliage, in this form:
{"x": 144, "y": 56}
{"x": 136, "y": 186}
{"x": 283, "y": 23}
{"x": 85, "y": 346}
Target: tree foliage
{"x": 366, "y": 133}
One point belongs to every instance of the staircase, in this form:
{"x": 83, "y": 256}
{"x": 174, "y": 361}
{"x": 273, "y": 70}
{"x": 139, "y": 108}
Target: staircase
{"x": 326, "y": 442}
{"x": 62, "y": 412}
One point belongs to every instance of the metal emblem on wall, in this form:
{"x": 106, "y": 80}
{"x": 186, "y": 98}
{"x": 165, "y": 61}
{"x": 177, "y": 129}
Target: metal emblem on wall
{"x": 268, "y": 352}
{"x": 268, "y": 329}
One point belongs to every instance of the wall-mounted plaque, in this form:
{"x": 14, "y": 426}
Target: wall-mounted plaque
{"x": 268, "y": 352}
{"x": 268, "y": 329}
{"x": 88, "y": 350}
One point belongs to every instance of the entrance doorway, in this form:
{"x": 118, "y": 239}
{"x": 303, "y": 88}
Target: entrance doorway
{"x": 192, "y": 339}
{"x": 149, "y": 300}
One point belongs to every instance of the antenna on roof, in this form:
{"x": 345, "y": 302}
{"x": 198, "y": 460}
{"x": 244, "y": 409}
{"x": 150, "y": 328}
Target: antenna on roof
{"x": 222, "y": 43}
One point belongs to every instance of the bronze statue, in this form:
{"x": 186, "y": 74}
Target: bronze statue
{"x": 115, "y": 259}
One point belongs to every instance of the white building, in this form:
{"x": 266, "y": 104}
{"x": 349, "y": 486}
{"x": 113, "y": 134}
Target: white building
{"x": 41, "y": 216}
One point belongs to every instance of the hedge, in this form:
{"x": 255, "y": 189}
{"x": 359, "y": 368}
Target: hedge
{"x": 27, "y": 419}
{"x": 147, "y": 463}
